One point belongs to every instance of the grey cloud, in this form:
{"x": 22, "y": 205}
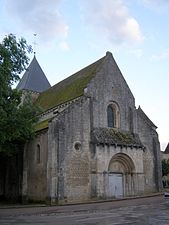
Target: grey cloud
{"x": 156, "y": 4}
{"x": 112, "y": 20}
{"x": 39, "y": 16}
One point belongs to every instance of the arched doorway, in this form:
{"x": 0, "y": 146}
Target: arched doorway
{"x": 120, "y": 176}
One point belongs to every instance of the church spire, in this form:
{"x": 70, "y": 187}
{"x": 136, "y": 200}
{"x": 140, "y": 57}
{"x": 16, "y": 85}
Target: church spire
{"x": 34, "y": 78}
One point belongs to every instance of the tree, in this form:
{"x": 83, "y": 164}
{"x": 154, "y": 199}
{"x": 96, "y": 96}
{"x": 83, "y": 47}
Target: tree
{"x": 16, "y": 119}
{"x": 165, "y": 167}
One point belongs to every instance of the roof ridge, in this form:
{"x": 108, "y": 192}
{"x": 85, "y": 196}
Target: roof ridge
{"x": 76, "y": 73}
{"x": 69, "y": 88}
{"x": 29, "y": 70}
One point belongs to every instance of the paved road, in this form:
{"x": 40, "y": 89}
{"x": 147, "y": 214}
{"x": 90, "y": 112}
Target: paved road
{"x": 144, "y": 211}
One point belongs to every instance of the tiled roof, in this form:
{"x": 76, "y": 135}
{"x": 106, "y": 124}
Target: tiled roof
{"x": 111, "y": 136}
{"x": 68, "y": 89}
{"x": 34, "y": 78}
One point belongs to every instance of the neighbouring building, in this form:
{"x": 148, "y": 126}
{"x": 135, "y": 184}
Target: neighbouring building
{"x": 91, "y": 140}
{"x": 165, "y": 154}
{"x": 165, "y": 159}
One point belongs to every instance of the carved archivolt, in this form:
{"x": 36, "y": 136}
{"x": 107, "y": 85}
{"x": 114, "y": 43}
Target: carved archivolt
{"x": 121, "y": 163}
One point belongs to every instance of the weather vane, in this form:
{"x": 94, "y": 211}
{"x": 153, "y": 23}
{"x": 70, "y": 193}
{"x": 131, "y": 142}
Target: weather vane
{"x": 34, "y": 44}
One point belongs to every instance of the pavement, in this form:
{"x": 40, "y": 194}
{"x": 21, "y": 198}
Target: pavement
{"x": 150, "y": 210}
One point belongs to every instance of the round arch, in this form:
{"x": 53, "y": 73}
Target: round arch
{"x": 121, "y": 163}
{"x": 120, "y": 176}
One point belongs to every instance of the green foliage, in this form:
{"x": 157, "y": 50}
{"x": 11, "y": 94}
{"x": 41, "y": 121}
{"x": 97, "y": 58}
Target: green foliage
{"x": 165, "y": 167}
{"x": 16, "y": 119}
{"x": 13, "y": 58}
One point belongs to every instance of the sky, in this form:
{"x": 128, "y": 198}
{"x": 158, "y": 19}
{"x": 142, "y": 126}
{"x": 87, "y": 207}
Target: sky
{"x": 68, "y": 35}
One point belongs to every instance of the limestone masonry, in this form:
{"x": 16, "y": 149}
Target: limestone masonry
{"x": 91, "y": 140}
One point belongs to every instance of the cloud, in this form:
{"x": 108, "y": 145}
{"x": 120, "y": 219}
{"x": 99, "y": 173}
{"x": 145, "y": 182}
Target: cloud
{"x": 156, "y": 4}
{"x": 64, "y": 46}
{"x": 160, "y": 56}
{"x": 138, "y": 53}
{"x": 39, "y": 16}
{"x": 111, "y": 19}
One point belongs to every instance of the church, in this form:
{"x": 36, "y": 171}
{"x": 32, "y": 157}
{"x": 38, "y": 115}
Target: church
{"x": 91, "y": 141}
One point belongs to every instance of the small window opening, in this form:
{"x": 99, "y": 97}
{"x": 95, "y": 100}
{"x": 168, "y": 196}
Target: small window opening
{"x": 77, "y": 146}
{"x": 38, "y": 154}
{"x": 111, "y": 116}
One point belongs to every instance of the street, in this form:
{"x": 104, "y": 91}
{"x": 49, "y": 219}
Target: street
{"x": 142, "y": 211}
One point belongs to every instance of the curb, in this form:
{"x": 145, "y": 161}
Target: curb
{"x": 14, "y": 206}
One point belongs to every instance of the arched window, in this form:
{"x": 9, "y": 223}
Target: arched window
{"x": 113, "y": 115}
{"x": 38, "y": 154}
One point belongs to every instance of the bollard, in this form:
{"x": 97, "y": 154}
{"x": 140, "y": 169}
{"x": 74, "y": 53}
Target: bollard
{"x": 166, "y": 195}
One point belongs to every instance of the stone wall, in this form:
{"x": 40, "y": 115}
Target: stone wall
{"x": 35, "y": 169}
{"x": 69, "y": 168}
{"x": 102, "y": 159}
{"x": 110, "y": 86}
{"x": 73, "y": 169}
{"x": 151, "y": 157}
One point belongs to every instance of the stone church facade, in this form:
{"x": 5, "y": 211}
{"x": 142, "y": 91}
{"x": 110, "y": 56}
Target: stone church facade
{"x": 91, "y": 141}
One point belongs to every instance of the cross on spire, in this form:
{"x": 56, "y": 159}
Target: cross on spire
{"x": 34, "y": 44}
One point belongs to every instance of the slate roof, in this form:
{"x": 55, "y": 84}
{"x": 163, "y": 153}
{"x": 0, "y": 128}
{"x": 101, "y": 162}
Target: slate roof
{"x": 68, "y": 89}
{"x": 111, "y": 136}
{"x": 34, "y": 78}
{"x": 166, "y": 150}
